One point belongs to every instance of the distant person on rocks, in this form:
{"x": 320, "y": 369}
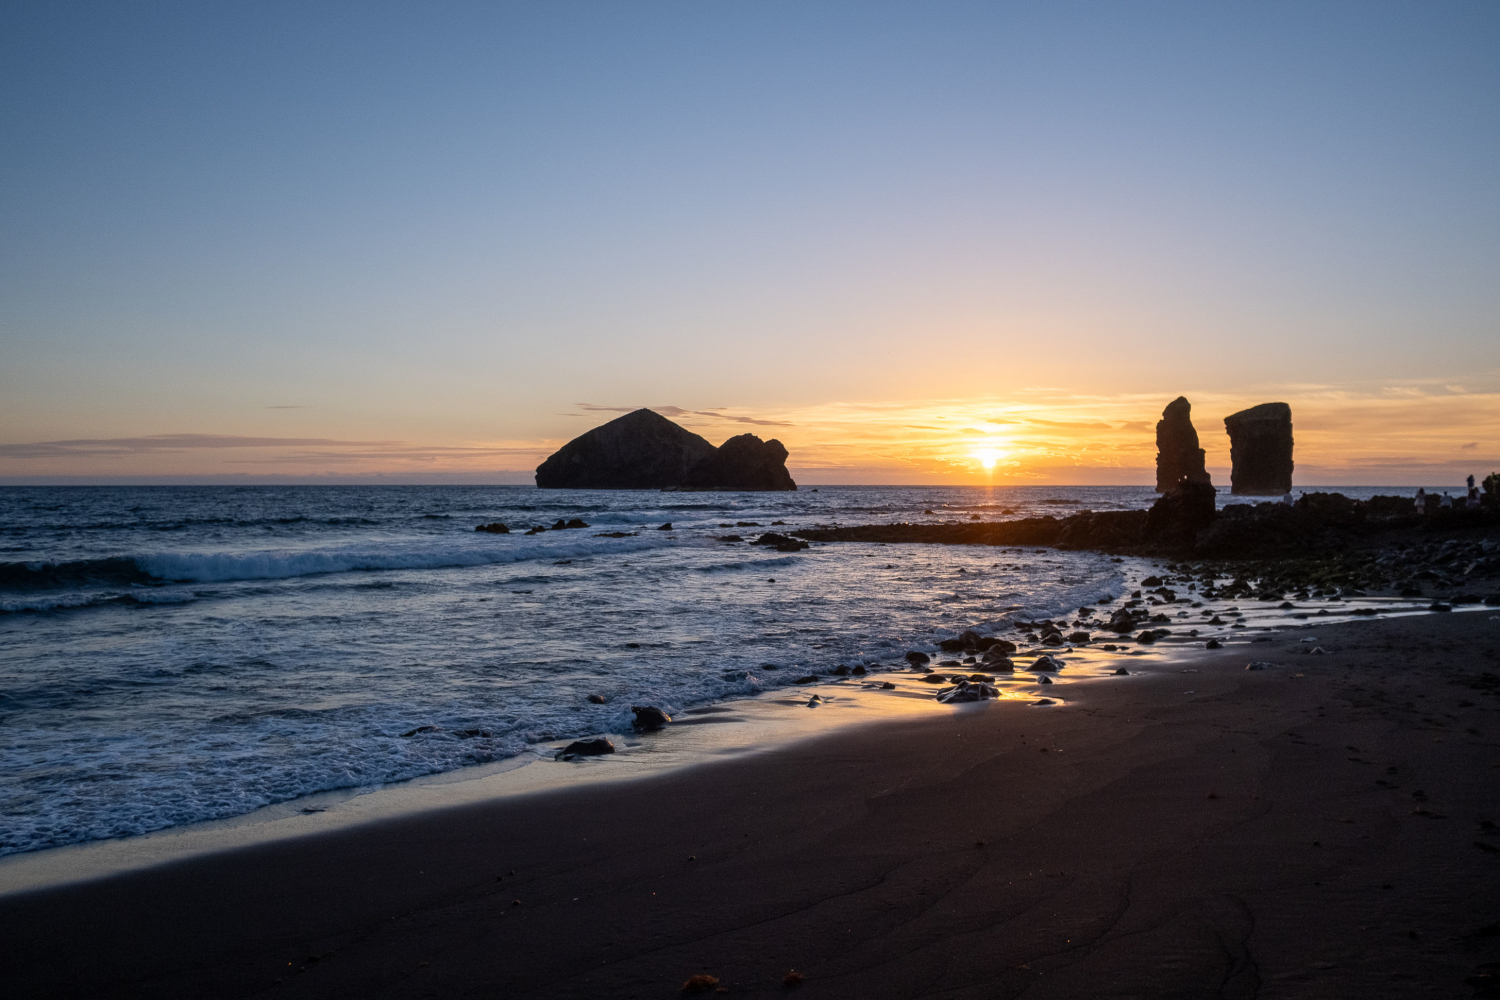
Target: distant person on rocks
{"x": 1421, "y": 500}
{"x": 1447, "y": 501}
{"x": 1287, "y": 500}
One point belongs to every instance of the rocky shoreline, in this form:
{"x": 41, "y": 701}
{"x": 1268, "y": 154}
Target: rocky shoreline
{"x": 1324, "y": 540}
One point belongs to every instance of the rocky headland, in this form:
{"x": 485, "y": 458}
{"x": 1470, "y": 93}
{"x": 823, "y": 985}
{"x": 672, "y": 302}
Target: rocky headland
{"x": 645, "y": 451}
{"x": 1183, "y": 524}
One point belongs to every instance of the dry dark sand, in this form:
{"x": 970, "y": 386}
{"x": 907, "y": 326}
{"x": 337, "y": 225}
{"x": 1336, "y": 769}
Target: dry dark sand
{"x": 1312, "y": 830}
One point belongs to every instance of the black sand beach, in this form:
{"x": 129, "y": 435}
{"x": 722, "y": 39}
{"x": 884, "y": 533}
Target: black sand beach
{"x": 1321, "y": 828}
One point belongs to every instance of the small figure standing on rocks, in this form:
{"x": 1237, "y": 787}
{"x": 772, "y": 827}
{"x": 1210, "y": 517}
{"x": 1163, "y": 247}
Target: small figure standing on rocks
{"x": 1421, "y": 500}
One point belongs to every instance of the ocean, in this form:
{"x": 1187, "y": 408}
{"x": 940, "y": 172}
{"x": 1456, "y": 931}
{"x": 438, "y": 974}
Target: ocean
{"x": 179, "y": 654}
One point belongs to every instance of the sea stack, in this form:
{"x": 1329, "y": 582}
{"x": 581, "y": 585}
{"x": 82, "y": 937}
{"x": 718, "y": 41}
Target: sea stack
{"x": 643, "y": 450}
{"x": 743, "y": 463}
{"x": 1178, "y": 456}
{"x": 1260, "y": 450}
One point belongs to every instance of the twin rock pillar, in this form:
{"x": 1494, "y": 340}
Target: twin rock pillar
{"x": 1260, "y": 449}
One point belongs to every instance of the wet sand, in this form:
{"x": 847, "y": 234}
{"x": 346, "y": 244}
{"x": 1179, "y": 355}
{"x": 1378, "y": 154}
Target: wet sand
{"x": 1312, "y": 829}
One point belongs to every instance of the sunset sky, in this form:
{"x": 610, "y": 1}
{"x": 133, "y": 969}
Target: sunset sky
{"x": 431, "y": 242}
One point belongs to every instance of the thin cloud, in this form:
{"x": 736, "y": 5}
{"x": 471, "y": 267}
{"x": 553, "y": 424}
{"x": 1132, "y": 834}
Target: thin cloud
{"x": 677, "y": 411}
{"x": 166, "y": 443}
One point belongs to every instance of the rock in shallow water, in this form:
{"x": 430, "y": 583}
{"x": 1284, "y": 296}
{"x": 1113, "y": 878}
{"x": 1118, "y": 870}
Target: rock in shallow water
{"x": 649, "y": 717}
{"x": 1046, "y": 662}
{"x": 965, "y": 691}
{"x": 587, "y": 748}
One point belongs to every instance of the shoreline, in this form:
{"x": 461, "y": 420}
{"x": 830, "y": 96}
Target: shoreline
{"x": 746, "y": 725}
{"x": 1197, "y": 822}
{"x": 743, "y": 726}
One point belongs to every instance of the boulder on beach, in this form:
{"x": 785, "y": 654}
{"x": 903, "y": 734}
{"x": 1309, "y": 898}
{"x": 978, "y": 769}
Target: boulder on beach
{"x": 643, "y": 450}
{"x": 587, "y": 748}
{"x": 649, "y": 717}
{"x": 1178, "y": 456}
{"x": 964, "y": 691}
{"x": 1260, "y": 450}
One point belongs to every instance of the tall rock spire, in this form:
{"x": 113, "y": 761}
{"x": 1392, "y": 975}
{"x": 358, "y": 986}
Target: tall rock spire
{"x": 1178, "y": 456}
{"x": 1260, "y": 448}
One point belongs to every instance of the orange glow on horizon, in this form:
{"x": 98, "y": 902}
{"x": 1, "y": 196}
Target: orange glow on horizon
{"x": 1353, "y": 435}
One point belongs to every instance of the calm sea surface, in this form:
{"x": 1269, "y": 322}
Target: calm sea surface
{"x": 175, "y": 654}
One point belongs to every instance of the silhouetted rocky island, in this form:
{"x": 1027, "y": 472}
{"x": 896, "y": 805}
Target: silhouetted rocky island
{"x": 643, "y": 450}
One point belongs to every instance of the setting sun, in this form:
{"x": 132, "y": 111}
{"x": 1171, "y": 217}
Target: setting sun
{"x": 988, "y": 457}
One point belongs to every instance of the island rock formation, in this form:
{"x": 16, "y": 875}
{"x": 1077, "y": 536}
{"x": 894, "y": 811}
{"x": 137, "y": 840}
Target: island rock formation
{"x": 645, "y": 451}
{"x": 1178, "y": 456}
{"x": 743, "y": 463}
{"x": 1260, "y": 450}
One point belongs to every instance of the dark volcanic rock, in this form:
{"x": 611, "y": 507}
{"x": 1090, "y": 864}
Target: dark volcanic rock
{"x": 743, "y": 463}
{"x": 782, "y": 543}
{"x": 645, "y": 451}
{"x": 587, "y": 748}
{"x": 649, "y": 717}
{"x": 1175, "y": 520}
{"x": 639, "y": 451}
{"x": 1260, "y": 450}
{"x": 1105, "y": 530}
{"x": 1178, "y": 456}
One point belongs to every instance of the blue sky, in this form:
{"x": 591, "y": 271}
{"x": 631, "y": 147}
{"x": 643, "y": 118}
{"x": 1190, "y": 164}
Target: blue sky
{"x": 445, "y": 225}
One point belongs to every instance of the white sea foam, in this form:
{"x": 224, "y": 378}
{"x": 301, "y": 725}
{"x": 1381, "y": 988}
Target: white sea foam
{"x": 132, "y": 707}
{"x": 281, "y": 564}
